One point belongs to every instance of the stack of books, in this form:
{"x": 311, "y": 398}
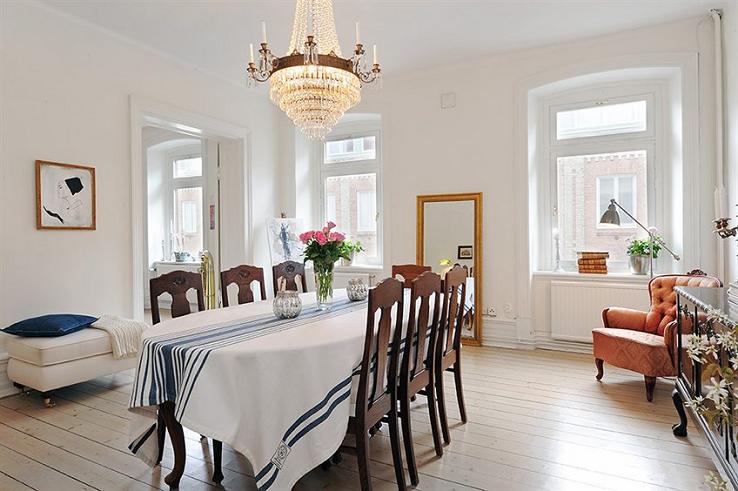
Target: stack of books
{"x": 592, "y": 262}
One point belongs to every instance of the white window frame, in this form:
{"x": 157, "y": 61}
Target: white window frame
{"x": 172, "y": 184}
{"x": 649, "y": 140}
{"x": 369, "y": 166}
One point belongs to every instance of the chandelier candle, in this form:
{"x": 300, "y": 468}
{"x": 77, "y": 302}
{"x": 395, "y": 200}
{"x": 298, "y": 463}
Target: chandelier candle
{"x": 313, "y": 83}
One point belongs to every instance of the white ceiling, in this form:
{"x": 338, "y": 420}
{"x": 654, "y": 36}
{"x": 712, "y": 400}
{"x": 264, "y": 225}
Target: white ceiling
{"x": 214, "y": 35}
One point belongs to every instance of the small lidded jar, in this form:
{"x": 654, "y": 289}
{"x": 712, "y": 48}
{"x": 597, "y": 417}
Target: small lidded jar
{"x": 357, "y": 290}
{"x": 287, "y": 304}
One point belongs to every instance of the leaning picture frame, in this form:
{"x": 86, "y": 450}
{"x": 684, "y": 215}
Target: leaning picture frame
{"x": 65, "y": 196}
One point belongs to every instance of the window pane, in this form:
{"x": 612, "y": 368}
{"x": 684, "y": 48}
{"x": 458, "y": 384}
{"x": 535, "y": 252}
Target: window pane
{"x": 350, "y": 150}
{"x": 586, "y": 184}
{"x": 352, "y": 202}
{"x": 190, "y": 167}
{"x": 187, "y": 235}
{"x": 607, "y": 119}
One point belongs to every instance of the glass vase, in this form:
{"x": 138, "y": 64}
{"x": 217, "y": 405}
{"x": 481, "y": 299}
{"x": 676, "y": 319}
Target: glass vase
{"x": 324, "y": 285}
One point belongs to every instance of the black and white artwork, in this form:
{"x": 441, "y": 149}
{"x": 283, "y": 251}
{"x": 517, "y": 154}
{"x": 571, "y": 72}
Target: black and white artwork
{"x": 65, "y": 196}
{"x": 283, "y": 235}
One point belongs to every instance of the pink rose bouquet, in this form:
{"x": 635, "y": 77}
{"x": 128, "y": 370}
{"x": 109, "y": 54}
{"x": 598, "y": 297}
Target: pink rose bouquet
{"x": 324, "y": 247}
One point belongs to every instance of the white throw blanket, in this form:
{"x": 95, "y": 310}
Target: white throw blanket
{"x": 125, "y": 334}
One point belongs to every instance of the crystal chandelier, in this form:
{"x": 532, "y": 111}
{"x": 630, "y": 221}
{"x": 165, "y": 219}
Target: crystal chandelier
{"x": 313, "y": 84}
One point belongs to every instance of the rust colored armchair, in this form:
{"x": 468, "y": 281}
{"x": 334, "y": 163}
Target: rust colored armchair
{"x": 645, "y": 341}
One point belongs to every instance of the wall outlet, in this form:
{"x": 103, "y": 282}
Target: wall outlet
{"x": 490, "y": 312}
{"x": 508, "y": 308}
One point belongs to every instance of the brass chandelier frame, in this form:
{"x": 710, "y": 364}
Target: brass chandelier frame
{"x": 269, "y": 64}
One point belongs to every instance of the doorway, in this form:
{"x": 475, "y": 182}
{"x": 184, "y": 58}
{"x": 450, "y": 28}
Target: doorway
{"x": 193, "y": 195}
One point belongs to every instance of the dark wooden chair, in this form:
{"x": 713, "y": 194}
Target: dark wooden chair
{"x": 377, "y": 392}
{"x": 243, "y": 276}
{"x": 289, "y": 270}
{"x": 448, "y": 345}
{"x": 417, "y": 368}
{"x": 408, "y": 272}
{"x": 177, "y": 284}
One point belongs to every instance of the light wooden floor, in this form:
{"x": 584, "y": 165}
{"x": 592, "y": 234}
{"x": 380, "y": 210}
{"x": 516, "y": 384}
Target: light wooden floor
{"x": 537, "y": 420}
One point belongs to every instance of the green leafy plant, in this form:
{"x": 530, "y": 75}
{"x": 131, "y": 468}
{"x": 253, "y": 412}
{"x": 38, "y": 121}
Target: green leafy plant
{"x": 352, "y": 248}
{"x": 642, "y": 247}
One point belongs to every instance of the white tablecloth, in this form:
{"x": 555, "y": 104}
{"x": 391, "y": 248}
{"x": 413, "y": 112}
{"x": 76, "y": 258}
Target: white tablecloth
{"x": 279, "y": 393}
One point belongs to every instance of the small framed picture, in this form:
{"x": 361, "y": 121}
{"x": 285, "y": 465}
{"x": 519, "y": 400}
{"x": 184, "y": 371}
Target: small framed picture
{"x": 65, "y": 196}
{"x": 466, "y": 252}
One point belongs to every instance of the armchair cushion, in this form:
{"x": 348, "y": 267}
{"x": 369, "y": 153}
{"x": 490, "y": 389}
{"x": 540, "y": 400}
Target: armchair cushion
{"x": 663, "y": 298}
{"x": 639, "y": 351}
{"x": 617, "y": 317}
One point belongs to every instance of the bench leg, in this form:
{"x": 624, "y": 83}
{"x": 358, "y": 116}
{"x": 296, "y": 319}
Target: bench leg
{"x": 48, "y": 399}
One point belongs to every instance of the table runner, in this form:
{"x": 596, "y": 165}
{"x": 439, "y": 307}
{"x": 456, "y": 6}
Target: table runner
{"x": 243, "y": 381}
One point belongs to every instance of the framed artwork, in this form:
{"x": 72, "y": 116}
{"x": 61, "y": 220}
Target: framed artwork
{"x": 283, "y": 235}
{"x": 65, "y": 196}
{"x": 465, "y": 252}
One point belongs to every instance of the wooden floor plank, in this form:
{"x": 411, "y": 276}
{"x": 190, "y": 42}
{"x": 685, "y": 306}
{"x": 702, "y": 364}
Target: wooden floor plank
{"x": 537, "y": 420}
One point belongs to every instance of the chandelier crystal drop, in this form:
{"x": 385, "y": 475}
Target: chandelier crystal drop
{"x": 312, "y": 83}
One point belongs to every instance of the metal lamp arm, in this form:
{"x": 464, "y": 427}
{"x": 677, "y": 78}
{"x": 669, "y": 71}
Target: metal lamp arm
{"x": 653, "y": 236}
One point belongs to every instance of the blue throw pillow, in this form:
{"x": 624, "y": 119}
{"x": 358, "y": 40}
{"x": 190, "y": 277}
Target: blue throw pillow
{"x": 50, "y": 325}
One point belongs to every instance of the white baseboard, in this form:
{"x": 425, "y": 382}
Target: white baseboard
{"x": 6, "y": 386}
{"x": 504, "y": 333}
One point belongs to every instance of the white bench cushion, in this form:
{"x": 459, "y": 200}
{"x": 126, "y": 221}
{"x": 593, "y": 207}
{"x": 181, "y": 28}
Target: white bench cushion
{"x": 51, "y": 351}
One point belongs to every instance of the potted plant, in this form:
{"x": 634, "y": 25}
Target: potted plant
{"x": 324, "y": 247}
{"x": 351, "y": 249}
{"x": 639, "y": 252}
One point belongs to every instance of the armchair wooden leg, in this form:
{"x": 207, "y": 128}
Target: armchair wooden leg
{"x": 650, "y": 384}
{"x": 600, "y": 363}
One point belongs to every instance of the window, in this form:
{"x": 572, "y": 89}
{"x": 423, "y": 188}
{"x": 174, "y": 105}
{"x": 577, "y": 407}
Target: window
{"x": 620, "y": 188}
{"x": 600, "y": 151}
{"x": 350, "y": 167}
{"x": 602, "y": 119}
{"x": 186, "y": 218}
{"x": 350, "y": 150}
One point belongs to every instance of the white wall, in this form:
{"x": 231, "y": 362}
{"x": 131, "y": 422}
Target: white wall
{"x": 65, "y": 97}
{"x": 473, "y": 147}
{"x": 730, "y": 58}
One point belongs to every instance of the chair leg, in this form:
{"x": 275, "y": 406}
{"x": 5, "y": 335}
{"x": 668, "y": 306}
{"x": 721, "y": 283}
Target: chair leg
{"x": 217, "y": 461}
{"x": 407, "y": 439}
{"x": 650, "y": 384}
{"x": 362, "y": 456}
{"x": 431, "y": 396}
{"x": 600, "y": 364}
{"x": 396, "y": 449}
{"x": 459, "y": 388}
{"x": 441, "y": 398}
{"x": 161, "y": 433}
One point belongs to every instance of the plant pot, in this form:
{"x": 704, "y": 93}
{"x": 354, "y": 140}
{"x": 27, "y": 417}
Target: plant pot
{"x": 639, "y": 265}
{"x": 324, "y": 285}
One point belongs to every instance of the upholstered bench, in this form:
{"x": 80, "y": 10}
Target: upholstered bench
{"x": 48, "y": 363}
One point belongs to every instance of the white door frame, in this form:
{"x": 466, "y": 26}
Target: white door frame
{"x": 145, "y": 112}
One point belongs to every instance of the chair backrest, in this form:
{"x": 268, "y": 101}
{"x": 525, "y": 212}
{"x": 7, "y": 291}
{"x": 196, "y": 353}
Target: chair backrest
{"x": 408, "y": 272}
{"x": 663, "y": 297}
{"x": 452, "y": 312}
{"x": 243, "y": 276}
{"x": 425, "y": 289}
{"x": 378, "y": 376}
{"x": 177, "y": 284}
{"x": 289, "y": 270}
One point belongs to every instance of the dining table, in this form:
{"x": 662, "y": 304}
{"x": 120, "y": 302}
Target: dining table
{"x": 278, "y": 391}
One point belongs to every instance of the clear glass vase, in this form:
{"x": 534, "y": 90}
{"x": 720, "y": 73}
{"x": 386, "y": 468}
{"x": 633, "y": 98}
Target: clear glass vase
{"x": 324, "y": 285}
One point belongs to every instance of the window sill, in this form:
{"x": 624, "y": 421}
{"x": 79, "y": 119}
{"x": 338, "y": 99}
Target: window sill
{"x": 358, "y": 268}
{"x": 620, "y": 276}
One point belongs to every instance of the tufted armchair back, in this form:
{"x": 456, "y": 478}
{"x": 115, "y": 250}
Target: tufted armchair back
{"x": 663, "y": 297}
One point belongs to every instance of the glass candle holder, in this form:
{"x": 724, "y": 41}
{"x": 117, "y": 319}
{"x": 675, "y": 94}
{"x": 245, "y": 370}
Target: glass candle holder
{"x": 287, "y": 304}
{"x": 357, "y": 290}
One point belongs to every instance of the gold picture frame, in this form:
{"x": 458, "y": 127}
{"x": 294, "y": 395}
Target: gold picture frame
{"x": 65, "y": 196}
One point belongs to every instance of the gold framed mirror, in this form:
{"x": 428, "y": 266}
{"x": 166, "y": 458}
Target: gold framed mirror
{"x": 449, "y": 232}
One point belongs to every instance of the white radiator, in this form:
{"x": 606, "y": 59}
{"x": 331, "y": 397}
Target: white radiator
{"x": 576, "y": 306}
